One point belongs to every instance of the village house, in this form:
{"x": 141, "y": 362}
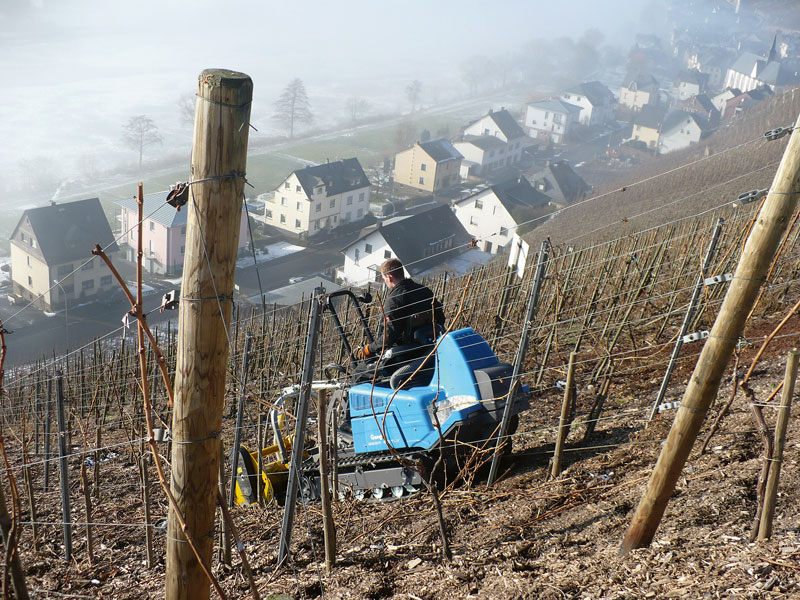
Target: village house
{"x": 429, "y": 166}
{"x": 691, "y": 83}
{"x": 319, "y": 198}
{"x": 711, "y": 61}
{"x": 721, "y": 100}
{"x": 51, "y": 254}
{"x": 561, "y": 183}
{"x": 163, "y": 233}
{"x": 493, "y": 214}
{"x": 595, "y": 100}
{"x": 647, "y": 126}
{"x": 638, "y": 91}
{"x": 741, "y": 102}
{"x": 551, "y": 119}
{"x": 702, "y": 105}
{"x": 421, "y": 242}
{"x": 681, "y": 129}
{"x": 492, "y": 143}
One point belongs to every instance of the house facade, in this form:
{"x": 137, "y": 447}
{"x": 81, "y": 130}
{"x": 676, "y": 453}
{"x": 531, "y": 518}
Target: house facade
{"x": 639, "y": 91}
{"x": 51, "y": 254}
{"x": 691, "y": 83}
{"x": 421, "y": 241}
{"x": 492, "y": 215}
{"x": 491, "y": 143}
{"x": 551, "y": 119}
{"x": 163, "y": 233}
{"x": 319, "y": 198}
{"x": 428, "y": 166}
{"x": 647, "y": 126}
{"x": 595, "y": 100}
{"x": 681, "y": 129}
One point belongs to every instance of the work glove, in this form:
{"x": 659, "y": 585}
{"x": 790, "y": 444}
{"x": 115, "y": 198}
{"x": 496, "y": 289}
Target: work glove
{"x": 362, "y": 352}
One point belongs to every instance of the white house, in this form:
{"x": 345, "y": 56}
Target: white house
{"x": 681, "y": 129}
{"x": 321, "y": 197}
{"x": 561, "y": 183}
{"x": 721, "y": 100}
{"x": 551, "y": 119}
{"x": 493, "y": 215}
{"x": 691, "y": 83}
{"x": 499, "y": 124}
{"x": 595, "y": 100}
{"x": 421, "y": 241}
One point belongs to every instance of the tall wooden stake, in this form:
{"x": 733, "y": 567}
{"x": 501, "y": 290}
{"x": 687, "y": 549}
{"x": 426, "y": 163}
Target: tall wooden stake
{"x": 761, "y": 245}
{"x": 328, "y": 526}
{"x": 765, "y": 527}
{"x": 564, "y": 421}
{"x": 219, "y": 157}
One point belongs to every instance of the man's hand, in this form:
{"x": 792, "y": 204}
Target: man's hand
{"x": 361, "y": 353}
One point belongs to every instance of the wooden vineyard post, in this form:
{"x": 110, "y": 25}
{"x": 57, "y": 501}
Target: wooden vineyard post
{"x": 219, "y": 157}
{"x": 767, "y": 514}
{"x": 563, "y": 422}
{"x": 771, "y": 223}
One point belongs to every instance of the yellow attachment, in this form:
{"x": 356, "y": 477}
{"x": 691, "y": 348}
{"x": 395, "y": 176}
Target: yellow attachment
{"x": 273, "y": 475}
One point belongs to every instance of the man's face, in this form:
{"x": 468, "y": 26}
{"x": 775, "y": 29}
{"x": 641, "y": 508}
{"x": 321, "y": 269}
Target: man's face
{"x": 388, "y": 280}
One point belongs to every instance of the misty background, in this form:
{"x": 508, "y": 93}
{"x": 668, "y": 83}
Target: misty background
{"x": 75, "y": 72}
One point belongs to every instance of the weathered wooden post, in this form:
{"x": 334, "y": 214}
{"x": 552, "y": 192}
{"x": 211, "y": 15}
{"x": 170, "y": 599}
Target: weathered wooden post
{"x": 772, "y": 221}
{"x": 771, "y": 492}
{"x": 564, "y": 420}
{"x": 63, "y": 465}
{"x": 219, "y": 157}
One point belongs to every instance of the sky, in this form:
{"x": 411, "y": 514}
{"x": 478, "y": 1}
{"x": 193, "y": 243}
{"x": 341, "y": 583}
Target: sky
{"x": 74, "y": 71}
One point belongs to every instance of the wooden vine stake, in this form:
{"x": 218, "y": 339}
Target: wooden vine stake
{"x": 767, "y": 514}
{"x": 219, "y": 157}
{"x": 771, "y": 223}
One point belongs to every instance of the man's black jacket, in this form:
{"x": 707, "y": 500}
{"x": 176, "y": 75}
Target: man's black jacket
{"x": 407, "y": 306}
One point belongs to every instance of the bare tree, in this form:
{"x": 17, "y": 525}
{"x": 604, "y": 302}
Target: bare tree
{"x": 141, "y": 131}
{"x": 293, "y": 106}
{"x": 413, "y": 91}
{"x": 355, "y": 108}
{"x": 186, "y": 108}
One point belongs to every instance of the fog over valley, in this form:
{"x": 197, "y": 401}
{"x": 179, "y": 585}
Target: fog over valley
{"x": 76, "y": 72}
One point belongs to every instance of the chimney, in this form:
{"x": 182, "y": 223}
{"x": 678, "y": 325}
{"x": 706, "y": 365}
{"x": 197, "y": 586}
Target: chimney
{"x": 52, "y": 202}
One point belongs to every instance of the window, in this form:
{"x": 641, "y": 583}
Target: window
{"x": 23, "y": 237}
{"x": 333, "y": 203}
{"x": 360, "y": 212}
{"x": 486, "y": 131}
{"x": 557, "y": 118}
{"x": 473, "y": 220}
{"x": 479, "y": 203}
{"x": 349, "y": 200}
{"x": 283, "y": 218}
{"x": 64, "y": 270}
{"x": 183, "y": 249}
{"x": 286, "y": 185}
{"x": 132, "y": 234}
{"x": 298, "y": 188}
{"x": 423, "y": 167}
{"x": 88, "y": 265}
{"x": 268, "y": 214}
{"x": 33, "y": 242}
{"x": 297, "y": 223}
{"x": 504, "y": 231}
{"x": 87, "y": 284}
{"x": 183, "y": 230}
{"x": 335, "y": 218}
{"x": 29, "y": 260}
{"x": 152, "y": 226}
{"x": 283, "y": 201}
{"x": 299, "y": 207}
{"x": 105, "y": 280}
{"x": 316, "y": 224}
{"x": 357, "y": 254}
{"x": 30, "y": 280}
{"x": 368, "y": 248}
{"x": 361, "y": 197}
{"x": 422, "y": 180}
{"x": 347, "y": 216}
{"x": 318, "y": 207}
{"x": 387, "y": 254}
